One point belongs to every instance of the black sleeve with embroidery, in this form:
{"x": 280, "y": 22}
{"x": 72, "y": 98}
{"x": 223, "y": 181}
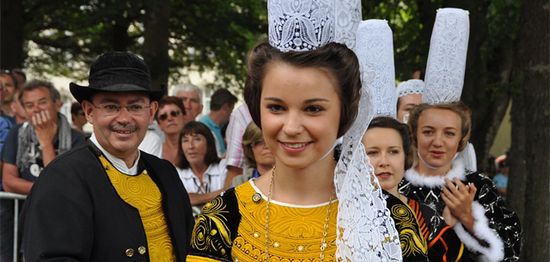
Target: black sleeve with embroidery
{"x": 216, "y": 228}
{"x": 502, "y": 219}
{"x": 413, "y": 245}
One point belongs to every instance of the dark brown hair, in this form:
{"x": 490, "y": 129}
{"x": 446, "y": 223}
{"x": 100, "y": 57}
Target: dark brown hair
{"x": 198, "y": 128}
{"x": 402, "y": 129}
{"x": 457, "y": 107}
{"x": 336, "y": 58}
{"x": 170, "y": 100}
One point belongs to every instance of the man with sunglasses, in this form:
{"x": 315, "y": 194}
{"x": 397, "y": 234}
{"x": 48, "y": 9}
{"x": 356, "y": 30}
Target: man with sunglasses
{"x": 107, "y": 200}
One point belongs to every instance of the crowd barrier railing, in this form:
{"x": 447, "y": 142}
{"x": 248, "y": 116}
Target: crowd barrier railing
{"x": 16, "y": 199}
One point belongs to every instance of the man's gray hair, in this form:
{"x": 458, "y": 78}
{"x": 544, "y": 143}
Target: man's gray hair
{"x": 187, "y": 87}
{"x": 34, "y": 84}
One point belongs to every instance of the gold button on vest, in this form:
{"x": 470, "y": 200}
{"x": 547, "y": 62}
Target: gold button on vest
{"x": 130, "y": 252}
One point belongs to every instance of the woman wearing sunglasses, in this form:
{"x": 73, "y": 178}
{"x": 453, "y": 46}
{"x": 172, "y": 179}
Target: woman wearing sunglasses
{"x": 171, "y": 119}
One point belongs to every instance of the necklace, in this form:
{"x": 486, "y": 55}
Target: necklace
{"x": 323, "y": 246}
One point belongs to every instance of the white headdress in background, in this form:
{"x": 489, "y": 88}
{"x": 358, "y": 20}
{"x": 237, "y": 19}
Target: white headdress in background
{"x": 301, "y": 25}
{"x": 374, "y": 49}
{"x": 366, "y": 231}
{"x": 410, "y": 87}
{"x": 447, "y": 56}
{"x": 447, "y": 65}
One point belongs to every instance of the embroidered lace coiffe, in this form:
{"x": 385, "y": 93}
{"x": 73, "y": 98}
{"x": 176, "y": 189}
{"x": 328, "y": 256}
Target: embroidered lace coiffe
{"x": 447, "y": 57}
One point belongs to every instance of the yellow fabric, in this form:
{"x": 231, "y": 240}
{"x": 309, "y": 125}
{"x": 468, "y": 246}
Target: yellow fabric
{"x": 143, "y": 194}
{"x": 191, "y": 258}
{"x": 295, "y": 233}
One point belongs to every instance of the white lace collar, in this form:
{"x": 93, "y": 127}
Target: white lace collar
{"x": 417, "y": 179}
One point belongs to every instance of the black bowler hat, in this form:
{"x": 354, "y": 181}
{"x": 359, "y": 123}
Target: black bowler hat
{"x": 117, "y": 72}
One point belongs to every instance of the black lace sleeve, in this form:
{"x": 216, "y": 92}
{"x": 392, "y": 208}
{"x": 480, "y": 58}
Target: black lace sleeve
{"x": 502, "y": 219}
{"x": 216, "y": 228}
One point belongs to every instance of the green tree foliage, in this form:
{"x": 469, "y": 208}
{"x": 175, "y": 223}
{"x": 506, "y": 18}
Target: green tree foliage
{"x": 204, "y": 34}
{"x": 215, "y": 35}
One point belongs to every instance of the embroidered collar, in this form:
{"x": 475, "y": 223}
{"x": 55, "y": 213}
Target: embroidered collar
{"x": 118, "y": 163}
{"x": 457, "y": 170}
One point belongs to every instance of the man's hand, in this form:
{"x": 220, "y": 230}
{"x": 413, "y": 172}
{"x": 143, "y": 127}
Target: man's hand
{"x": 458, "y": 199}
{"x": 45, "y": 128}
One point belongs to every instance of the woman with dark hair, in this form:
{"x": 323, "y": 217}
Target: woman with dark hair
{"x": 200, "y": 169}
{"x": 466, "y": 200}
{"x": 171, "y": 119}
{"x": 388, "y": 146}
{"x": 289, "y": 213}
{"x": 257, "y": 156}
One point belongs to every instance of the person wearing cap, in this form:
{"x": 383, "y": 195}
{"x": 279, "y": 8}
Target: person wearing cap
{"x": 106, "y": 200}
{"x": 409, "y": 95}
{"x": 501, "y": 178}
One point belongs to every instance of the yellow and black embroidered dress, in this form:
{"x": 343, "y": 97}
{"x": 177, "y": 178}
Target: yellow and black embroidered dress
{"x": 232, "y": 228}
{"x": 411, "y": 226}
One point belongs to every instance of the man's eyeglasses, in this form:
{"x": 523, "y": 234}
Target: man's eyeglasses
{"x": 113, "y": 109}
{"x": 164, "y": 116}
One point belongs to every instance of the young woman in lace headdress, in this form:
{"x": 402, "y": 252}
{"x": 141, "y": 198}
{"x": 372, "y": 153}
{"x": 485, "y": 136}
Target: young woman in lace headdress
{"x": 464, "y": 199}
{"x": 302, "y": 101}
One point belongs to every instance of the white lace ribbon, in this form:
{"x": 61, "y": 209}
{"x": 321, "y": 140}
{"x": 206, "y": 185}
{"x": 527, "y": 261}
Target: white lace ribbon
{"x": 365, "y": 230}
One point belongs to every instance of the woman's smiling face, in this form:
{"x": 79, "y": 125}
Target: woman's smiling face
{"x": 300, "y": 113}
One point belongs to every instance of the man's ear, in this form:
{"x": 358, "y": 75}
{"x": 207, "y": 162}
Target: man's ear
{"x": 88, "y": 110}
{"x": 153, "y": 107}
{"x": 58, "y": 105}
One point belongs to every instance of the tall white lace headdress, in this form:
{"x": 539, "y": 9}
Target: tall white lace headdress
{"x": 410, "y": 87}
{"x": 447, "y": 65}
{"x": 447, "y": 56}
{"x": 301, "y": 25}
{"x": 366, "y": 231}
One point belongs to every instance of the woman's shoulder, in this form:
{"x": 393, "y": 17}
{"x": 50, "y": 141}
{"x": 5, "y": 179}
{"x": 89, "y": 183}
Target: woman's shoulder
{"x": 216, "y": 228}
{"x": 185, "y": 173}
{"x": 219, "y": 168}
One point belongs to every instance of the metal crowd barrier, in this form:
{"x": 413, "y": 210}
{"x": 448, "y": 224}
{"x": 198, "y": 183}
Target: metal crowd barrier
{"x": 16, "y": 198}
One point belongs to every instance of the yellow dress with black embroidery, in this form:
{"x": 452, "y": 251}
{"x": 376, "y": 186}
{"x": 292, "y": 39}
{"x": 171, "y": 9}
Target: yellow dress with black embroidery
{"x": 232, "y": 228}
{"x": 143, "y": 194}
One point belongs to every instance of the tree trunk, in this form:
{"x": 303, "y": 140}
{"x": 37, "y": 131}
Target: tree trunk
{"x": 11, "y": 34}
{"x": 155, "y": 46}
{"x": 531, "y": 121}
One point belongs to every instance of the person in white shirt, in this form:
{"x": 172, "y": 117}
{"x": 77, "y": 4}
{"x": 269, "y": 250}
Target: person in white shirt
{"x": 200, "y": 169}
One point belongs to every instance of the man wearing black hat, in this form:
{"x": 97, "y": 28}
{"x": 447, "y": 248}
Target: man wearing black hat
{"x": 108, "y": 201}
